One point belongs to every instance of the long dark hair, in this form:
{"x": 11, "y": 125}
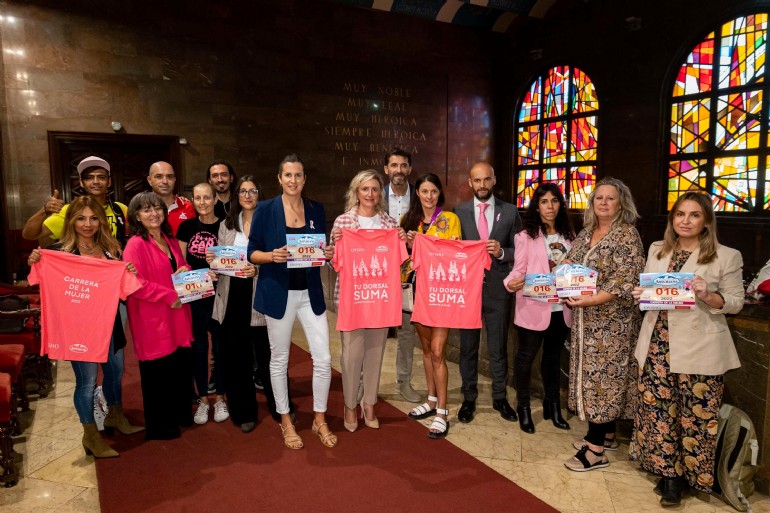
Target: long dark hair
{"x": 533, "y": 225}
{"x": 413, "y": 217}
{"x": 140, "y": 201}
{"x": 231, "y": 221}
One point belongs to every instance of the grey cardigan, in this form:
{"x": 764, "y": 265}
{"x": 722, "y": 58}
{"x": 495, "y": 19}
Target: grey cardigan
{"x": 227, "y": 238}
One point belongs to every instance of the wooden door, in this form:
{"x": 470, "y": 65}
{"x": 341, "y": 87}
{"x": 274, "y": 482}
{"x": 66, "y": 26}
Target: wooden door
{"x": 129, "y": 156}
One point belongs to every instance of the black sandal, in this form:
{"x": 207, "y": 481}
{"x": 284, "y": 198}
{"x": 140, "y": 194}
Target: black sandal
{"x": 579, "y": 462}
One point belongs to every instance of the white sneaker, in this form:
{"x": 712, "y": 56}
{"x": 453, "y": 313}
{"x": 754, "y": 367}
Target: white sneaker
{"x": 220, "y": 411}
{"x": 202, "y": 413}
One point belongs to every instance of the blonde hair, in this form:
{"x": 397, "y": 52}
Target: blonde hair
{"x": 627, "y": 213}
{"x": 707, "y": 238}
{"x": 351, "y": 196}
{"x": 103, "y": 238}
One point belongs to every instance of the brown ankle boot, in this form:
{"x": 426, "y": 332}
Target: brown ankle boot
{"x": 94, "y": 444}
{"x": 117, "y": 419}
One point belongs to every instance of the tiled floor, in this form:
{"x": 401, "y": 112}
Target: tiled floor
{"x": 59, "y": 478}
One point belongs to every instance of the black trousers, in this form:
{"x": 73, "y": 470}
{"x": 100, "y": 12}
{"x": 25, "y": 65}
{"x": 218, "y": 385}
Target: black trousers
{"x": 236, "y": 354}
{"x": 597, "y": 433}
{"x": 496, "y": 315}
{"x": 165, "y": 394}
{"x": 552, "y": 340}
{"x": 202, "y": 325}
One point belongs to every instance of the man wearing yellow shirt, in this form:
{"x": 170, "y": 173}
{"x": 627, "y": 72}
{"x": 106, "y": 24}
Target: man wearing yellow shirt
{"x": 94, "y": 173}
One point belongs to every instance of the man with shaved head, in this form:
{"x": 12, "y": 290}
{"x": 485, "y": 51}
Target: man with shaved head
{"x": 488, "y": 218}
{"x": 162, "y": 180}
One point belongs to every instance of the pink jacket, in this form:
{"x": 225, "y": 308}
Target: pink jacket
{"x": 157, "y": 329}
{"x": 530, "y": 257}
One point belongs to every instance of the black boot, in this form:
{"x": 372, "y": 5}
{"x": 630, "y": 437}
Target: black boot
{"x": 673, "y": 489}
{"x": 552, "y": 410}
{"x": 525, "y": 419}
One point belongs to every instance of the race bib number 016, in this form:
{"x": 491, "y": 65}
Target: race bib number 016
{"x": 229, "y": 260}
{"x": 540, "y": 287}
{"x": 666, "y": 291}
{"x": 306, "y": 250}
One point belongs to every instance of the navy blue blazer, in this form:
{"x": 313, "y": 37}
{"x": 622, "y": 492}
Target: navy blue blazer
{"x": 268, "y": 232}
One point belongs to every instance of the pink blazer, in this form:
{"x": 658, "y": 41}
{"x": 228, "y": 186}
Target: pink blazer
{"x": 157, "y": 329}
{"x": 530, "y": 257}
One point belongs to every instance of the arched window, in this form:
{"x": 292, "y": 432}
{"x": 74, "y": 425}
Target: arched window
{"x": 556, "y": 136}
{"x": 719, "y": 119}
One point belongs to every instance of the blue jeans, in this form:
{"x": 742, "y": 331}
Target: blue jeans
{"x": 85, "y": 382}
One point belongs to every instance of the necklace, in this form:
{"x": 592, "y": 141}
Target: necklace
{"x": 89, "y": 249}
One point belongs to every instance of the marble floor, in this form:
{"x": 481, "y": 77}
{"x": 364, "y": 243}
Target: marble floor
{"x": 57, "y": 477}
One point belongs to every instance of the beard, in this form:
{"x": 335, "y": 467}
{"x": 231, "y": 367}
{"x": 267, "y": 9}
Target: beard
{"x": 483, "y": 194}
{"x": 397, "y": 178}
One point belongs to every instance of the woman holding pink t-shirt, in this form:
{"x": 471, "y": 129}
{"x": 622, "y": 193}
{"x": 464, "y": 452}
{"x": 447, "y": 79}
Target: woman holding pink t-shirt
{"x": 362, "y": 349}
{"x": 426, "y": 216}
{"x": 86, "y": 233}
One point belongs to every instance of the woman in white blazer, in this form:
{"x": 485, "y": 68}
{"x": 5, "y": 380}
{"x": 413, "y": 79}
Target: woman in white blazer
{"x": 683, "y": 354}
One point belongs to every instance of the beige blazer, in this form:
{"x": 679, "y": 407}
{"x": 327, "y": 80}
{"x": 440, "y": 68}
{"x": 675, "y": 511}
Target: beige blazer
{"x": 227, "y": 238}
{"x": 699, "y": 339}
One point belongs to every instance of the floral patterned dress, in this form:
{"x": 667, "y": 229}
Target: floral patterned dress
{"x": 602, "y": 378}
{"x": 675, "y": 426}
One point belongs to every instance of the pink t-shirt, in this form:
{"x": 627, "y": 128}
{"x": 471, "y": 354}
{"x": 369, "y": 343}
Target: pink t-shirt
{"x": 368, "y": 262}
{"x": 448, "y": 281}
{"x": 78, "y": 300}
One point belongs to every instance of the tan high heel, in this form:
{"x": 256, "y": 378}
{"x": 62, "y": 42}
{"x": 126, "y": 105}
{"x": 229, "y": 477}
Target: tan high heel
{"x": 329, "y": 439}
{"x": 291, "y": 441}
{"x": 374, "y": 424}
{"x": 350, "y": 426}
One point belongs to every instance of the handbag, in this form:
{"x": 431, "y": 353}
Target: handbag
{"x": 407, "y": 294}
{"x": 407, "y": 297}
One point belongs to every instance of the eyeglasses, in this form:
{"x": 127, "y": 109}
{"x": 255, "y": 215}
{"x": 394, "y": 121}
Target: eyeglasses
{"x": 248, "y": 192}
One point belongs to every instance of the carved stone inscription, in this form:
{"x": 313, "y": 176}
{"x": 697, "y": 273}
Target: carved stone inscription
{"x": 370, "y": 118}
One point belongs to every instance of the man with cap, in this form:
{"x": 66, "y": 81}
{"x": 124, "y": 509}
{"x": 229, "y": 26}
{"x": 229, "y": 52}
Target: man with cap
{"x": 221, "y": 176}
{"x": 162, "y": 180}
{"x": 95, "y": 179}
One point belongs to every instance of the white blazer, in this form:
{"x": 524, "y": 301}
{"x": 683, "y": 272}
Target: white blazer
{"x": 699, "y": 339}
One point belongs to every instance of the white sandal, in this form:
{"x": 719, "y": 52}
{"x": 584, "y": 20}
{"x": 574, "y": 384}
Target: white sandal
{"x": 424, "y": 410}
{"x": 440, "y": 424}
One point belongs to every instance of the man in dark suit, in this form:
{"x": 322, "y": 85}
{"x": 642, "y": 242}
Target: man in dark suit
{"x": 398, "y": 195}
{"x": 488, "y": 218}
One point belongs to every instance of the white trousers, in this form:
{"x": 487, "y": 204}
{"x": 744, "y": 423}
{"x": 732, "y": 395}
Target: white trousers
{"x": 317, "y": 334}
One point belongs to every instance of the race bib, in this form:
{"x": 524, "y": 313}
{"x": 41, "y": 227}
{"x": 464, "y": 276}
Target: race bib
{"x": 193, "y": 285}
{"x": 306, "y": 250}
{"x": 229, "y": 260}
{"x": 540, "y": 287}
{"x": 666, "y": 291}
{"x": 575, "y": 280}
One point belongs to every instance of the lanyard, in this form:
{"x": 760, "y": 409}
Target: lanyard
{"x": 432, "y": 220}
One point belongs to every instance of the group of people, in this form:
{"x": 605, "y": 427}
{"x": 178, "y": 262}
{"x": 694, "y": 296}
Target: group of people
{"x": 664, "y": 369}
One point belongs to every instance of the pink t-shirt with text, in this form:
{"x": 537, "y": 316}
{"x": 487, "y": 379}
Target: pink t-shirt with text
{"x": 78, "y": 300}
{"x": 368, "y": 262}
{"x": 448, "y": 281}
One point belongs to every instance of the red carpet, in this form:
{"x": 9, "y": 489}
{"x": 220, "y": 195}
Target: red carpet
{"x": 216, "y": 468}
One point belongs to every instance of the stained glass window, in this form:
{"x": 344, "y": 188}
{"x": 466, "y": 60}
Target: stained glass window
{"x": 556, "y": 136}
{"x": 719, "y": 130}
